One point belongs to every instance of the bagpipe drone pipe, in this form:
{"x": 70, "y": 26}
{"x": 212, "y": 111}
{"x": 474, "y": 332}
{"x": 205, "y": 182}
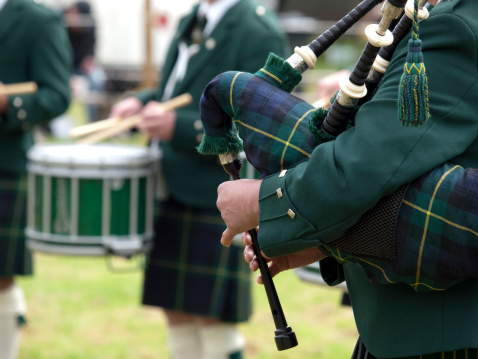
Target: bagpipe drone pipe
{"x": 256, "y": 113}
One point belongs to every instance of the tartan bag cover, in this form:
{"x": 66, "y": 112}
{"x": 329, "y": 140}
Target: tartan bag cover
{"x": 435, "y": 233}
{"x": 273, "y": 124}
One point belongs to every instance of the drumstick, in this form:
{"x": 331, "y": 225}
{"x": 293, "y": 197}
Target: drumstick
{"x": 18, "y": 88}
{"x": 93, "y": 127}
{"x": 131, "y": 122}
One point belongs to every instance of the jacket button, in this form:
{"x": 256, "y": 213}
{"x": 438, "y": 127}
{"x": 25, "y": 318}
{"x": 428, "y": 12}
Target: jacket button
{"x": 291, "y": 213}
{"x": 22, "y": 114}
{"x": 210, "y": 44}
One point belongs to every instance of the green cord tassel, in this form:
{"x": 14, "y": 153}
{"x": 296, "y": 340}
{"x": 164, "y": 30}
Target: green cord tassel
{"x": 413, "y": 109}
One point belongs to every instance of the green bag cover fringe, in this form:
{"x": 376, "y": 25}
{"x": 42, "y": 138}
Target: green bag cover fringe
{"x": 316, "y": 119}
{"x": 279, "y": 73}
{"x": 219, "y": 145}
{"x": 318, "y": 116}
{"x": 413, "y": 109}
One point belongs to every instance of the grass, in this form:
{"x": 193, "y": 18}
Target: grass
{"x": 79, "y": 308}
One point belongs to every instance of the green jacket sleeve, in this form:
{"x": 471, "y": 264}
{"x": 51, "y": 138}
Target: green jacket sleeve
{"x": 50, "y": 67}
{"x": 346, "y": 177}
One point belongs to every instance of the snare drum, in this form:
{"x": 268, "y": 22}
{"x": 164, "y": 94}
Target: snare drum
{"x": 90, "y": 200}
{"x": 311, "y": 273}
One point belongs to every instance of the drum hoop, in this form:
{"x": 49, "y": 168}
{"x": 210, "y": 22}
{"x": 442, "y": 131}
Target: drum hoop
{"x": 143, "y": 157}
{"x": 102, "y": 248}
{"x": 93, "y": 173}
{"x": 76, "y": 239}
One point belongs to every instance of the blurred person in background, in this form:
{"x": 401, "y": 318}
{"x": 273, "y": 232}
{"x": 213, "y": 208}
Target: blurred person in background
{"x": 82, "y": 34}
{"x": 33, "y": 47}
{"x": 204, "y": 289}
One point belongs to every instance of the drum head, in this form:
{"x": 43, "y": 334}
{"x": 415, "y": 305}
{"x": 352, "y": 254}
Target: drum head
{"x": 81, "y": 156}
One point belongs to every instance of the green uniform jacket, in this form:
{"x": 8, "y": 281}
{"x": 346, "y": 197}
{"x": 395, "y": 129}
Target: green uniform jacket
{"x": 242, "y": 40}
{"x": 346, "y": 177}
{"x": 33, "y": 47}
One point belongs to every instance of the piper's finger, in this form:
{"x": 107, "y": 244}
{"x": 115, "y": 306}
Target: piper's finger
{"x": 249, "y": 253}
{"x": 227, "y": 237}
{"x": 254, "y": 264}
{"x": 246, "y": 238}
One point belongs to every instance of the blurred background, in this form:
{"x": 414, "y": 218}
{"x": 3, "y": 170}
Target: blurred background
{"x": 132, "y": 38}
{"x": 81, "y": 307}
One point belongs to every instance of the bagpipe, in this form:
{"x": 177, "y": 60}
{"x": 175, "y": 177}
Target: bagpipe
{"x": 257, "y": 114}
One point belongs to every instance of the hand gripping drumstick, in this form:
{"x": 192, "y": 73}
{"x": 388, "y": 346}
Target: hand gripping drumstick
{"x": 131, "y": 122}
{"x": 18, "y": 88}
{"x": 284, "y": 336}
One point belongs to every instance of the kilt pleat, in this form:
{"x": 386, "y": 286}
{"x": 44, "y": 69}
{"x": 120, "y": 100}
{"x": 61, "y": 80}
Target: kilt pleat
{"x": 190, "y": 271}
{"x": 15, "y": 258}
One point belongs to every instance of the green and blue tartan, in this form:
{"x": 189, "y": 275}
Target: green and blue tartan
{"x": 455, "y": 354}
{"x": 272, "y": 123}
{"x": 436, "y": 233}
{"x": 361, "y": 352}
{"x": 15, "y": 258}
{"x": 190, "y": 271}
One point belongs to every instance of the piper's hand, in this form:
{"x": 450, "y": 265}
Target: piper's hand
{"x": 238, "y": 202}
{"x": 126, "y": 108}
{"x": 280, "y": 264}
{"x": 157, "y": 122}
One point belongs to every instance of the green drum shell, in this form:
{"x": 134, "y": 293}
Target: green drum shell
{"x": 92, "y": 209}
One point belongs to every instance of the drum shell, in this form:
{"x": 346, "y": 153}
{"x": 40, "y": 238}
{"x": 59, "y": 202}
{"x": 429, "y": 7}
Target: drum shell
{"x": 81, "y": 208}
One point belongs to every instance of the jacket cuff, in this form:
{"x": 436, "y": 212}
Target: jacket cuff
{"x": 282, "y": 227}
{"x": 20, "y": 114}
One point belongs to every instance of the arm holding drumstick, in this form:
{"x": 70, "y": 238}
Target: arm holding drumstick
{"x": 158, "y": 119}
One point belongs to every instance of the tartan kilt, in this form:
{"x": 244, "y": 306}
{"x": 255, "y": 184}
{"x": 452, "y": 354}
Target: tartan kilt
{"x": 455, "y": 354}
{"x": 189, "y": 271}
{"x": 15, "y": 258}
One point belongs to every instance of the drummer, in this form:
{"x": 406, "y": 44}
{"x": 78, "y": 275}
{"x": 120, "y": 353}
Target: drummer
{"x": 33, "y": 47}
{"x": 203, "y": 288}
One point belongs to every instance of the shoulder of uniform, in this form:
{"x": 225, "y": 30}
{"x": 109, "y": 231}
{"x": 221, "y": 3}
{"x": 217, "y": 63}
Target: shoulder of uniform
{"x": 38, "y": 10}
{"x": 261, "y": 14}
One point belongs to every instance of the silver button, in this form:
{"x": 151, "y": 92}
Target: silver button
{"x": 198, "y": 125}
{"x": 210, "y": 44}
{"x": 261, "y": 10}
{"x": 22, "y": 114}
{"x": 17, "y": 102}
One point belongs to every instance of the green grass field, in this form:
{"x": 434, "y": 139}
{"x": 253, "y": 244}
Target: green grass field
{"x": 78, "y": 308}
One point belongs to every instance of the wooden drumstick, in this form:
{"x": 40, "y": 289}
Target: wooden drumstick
{"x": 18, "y": 88}
{"x": 93, "y": 127}
{"x": 131, "y": 122}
